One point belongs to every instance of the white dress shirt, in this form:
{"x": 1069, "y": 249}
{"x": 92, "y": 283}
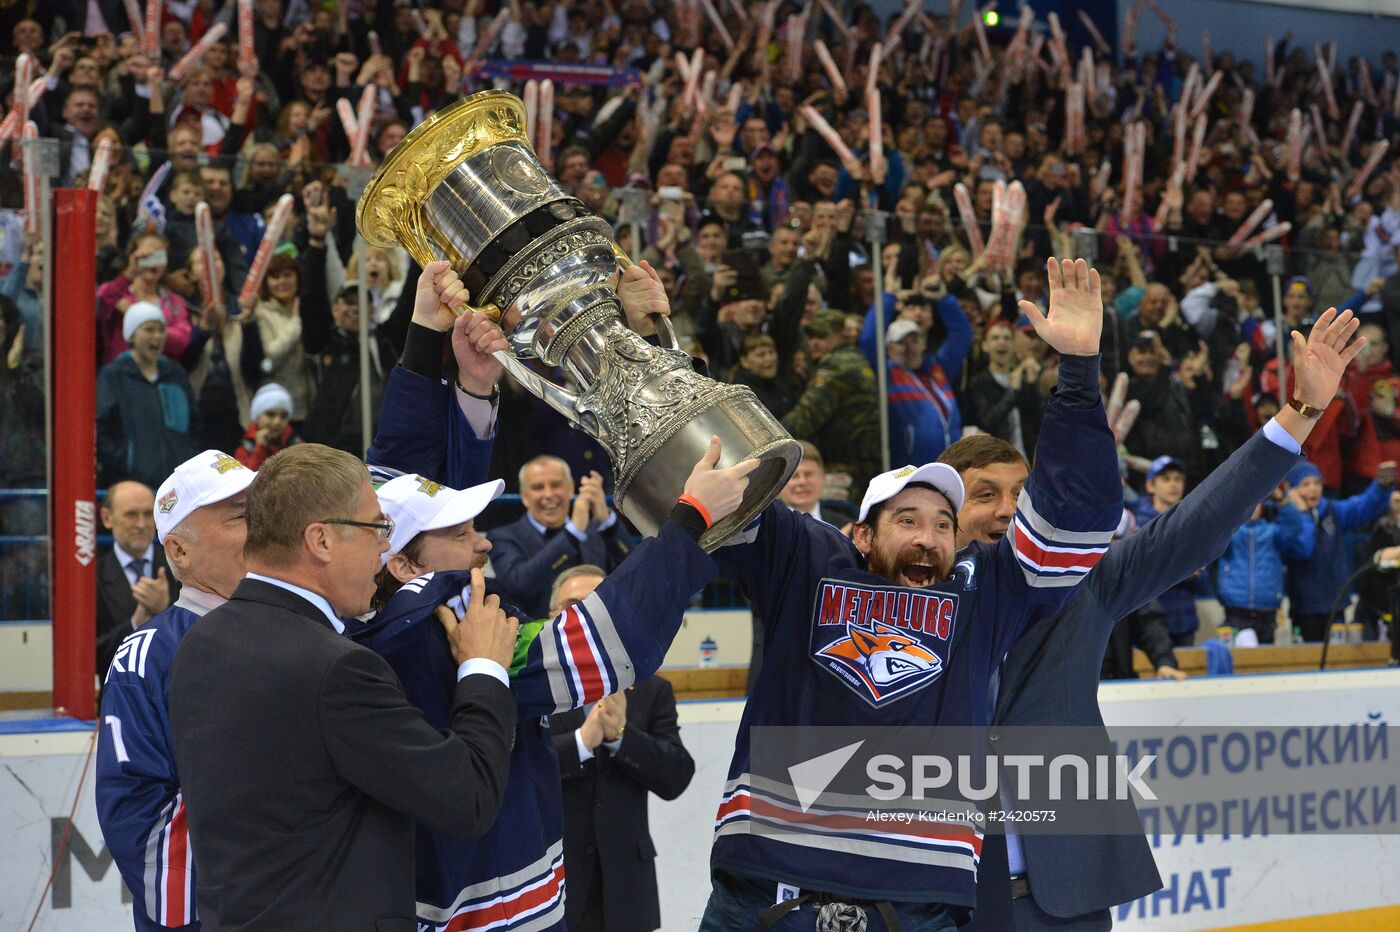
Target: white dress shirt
{"x": 467, "y": 668}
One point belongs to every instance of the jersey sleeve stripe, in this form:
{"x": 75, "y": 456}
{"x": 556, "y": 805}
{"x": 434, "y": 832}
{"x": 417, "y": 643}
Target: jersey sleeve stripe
{"x": 552, "y": 657}
{"x": 621, "y": 670}
{"x": 1048, "y": 533}
{"x": 177, "y": 906}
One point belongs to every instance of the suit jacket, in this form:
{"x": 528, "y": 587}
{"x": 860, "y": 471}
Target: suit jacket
{"x": 526, "y": 561}
{"x": 303, "y": 768}
{"x": 1051, "y": 677}
{"x": 115, "y": 604}
{"x": 607, "y": 839}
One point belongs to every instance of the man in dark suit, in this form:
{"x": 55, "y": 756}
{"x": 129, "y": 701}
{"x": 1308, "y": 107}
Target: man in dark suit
{"x": 553, "y": 535}
{"x": 134, "y": 584}
{"x": 303, "y": 768}
{"x": 1051, "y": 675}
{"x": 610, "y": 757}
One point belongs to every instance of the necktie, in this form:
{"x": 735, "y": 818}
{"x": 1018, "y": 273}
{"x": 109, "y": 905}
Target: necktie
{"x": 137, "y": 566}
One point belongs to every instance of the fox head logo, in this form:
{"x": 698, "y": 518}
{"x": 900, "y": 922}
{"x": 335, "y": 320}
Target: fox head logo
{"x": 884, "y": 654}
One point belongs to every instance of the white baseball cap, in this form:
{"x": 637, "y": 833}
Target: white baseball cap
{"x": 416, "y": 504}
{"x": 887, "y": 485}
{"x": 205, "y": 479}
{"x": 900, "y": 329}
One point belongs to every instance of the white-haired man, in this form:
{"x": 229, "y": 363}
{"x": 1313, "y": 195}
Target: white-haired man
{"x": 199, "y": 519}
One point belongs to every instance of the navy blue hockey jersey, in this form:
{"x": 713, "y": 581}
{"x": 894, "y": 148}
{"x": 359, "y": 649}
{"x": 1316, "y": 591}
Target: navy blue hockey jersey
{"x": 820, "y": 605}
{"x": 512, "y": 878}
{"x": 139, "y": 805}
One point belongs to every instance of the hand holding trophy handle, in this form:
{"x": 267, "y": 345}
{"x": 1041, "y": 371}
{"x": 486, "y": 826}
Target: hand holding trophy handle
{"x": 665, "y": 332}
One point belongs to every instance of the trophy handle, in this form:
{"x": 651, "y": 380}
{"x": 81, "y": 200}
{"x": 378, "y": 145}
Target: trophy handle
{"x": 556, "y": 396}
{"x": 665, "y": 332}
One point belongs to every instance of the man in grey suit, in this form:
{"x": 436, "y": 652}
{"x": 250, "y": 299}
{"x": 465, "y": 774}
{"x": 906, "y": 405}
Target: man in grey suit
{"x": 1051, "y": 675}
{"x": 302, "y": 765}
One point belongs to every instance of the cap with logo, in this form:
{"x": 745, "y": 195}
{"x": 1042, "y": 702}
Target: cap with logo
{"x": 205, "y": 479}
{"x": 1163, "y": 463}
{"x": 415, "y": 504}
{"x": 887, "y": 485}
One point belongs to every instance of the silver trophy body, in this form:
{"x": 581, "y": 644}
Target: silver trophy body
{"x": 525, "y": 246}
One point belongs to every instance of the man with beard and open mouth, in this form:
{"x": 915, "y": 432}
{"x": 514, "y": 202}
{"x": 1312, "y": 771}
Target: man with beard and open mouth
{"x": 896, "y": 627}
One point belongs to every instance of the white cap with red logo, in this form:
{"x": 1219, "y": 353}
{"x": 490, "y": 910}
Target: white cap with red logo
{"x": 201, "y": 480}
{"x": 887, "y": 485}
{"x": 415, "y": 504}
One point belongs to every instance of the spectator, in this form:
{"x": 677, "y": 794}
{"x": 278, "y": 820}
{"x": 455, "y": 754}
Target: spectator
{"x": 22, "y": 403}
{"x": 24, "y": 286}
{"x": 804, "y": 491}
{"x": 1167, "y": 424}
{"x": 553, "y": 535}
{"x": 134, "y": 583}
{"x": 147, "y": 423}
{"x": 236, "y": 233}
{"x": 271, "y": 430}
{"x": 224, "y": 358}
{"x": 1249, "y": 577}
{"x": 758, "y": 369}
{"x": 836, "y": 410}
{"x": 278, "y": 314}
{"x": 141, "y": 282}
{"x": 1145, "y": 630}
{"x": 1003, "y": 400}
{"x": 1313, "y": 584}
{"x": 1374, "y": 587}
{"x": 924, "y": 414}
{"x": 1166, "y": 484}
{"x": 383, "y": 277}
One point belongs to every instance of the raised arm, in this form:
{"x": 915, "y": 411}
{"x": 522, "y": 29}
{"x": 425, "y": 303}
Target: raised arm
{"x": 1073, "y": 500}
{"x": 620, "y": 633}
{"x": 1197, "y": 530}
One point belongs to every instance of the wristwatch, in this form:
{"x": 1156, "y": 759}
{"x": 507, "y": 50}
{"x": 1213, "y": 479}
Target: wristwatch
{"x": 1305, "y": 409}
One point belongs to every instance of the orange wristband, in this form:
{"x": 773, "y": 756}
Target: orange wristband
{"x": 694, "y": 502}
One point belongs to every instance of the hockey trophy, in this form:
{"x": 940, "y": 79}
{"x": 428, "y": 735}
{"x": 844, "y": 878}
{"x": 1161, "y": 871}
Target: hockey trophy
{"x": 466, "y": 187}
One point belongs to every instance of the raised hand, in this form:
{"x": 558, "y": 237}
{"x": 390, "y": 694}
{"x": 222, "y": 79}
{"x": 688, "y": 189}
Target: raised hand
{"x": 1320, "y": 360}
{"x": 475, "y": 340}
{"x": 643, "y": 298}
{"x": 1075, "y": 320}
{"x": 720, "y": 491}
{"x": 440, "y": 293}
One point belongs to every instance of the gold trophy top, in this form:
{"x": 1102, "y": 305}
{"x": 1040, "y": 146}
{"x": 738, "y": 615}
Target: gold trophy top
{"x": 390, "y": 209}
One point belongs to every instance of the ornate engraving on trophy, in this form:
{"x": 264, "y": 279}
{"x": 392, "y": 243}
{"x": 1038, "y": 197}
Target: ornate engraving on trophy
{"x": 464, "y": 185}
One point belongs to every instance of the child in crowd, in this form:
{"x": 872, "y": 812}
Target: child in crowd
{"x": 1166, "y": 485}
{"x": 1249, "y": 576}
{"x": 271, "y": 431}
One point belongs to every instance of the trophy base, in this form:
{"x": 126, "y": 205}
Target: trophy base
{"x": 746, "y": 431}
{"x": 777, "y": 462}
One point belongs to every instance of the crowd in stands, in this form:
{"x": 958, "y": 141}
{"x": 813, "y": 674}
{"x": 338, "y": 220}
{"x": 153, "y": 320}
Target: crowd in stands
{"x": 761, "y": 231}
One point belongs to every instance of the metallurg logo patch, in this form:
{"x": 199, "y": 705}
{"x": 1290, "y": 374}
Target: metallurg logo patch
{"x": 882, "y": 643}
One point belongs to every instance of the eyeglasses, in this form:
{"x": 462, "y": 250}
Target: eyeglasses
{"x": 382, "y": 529}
